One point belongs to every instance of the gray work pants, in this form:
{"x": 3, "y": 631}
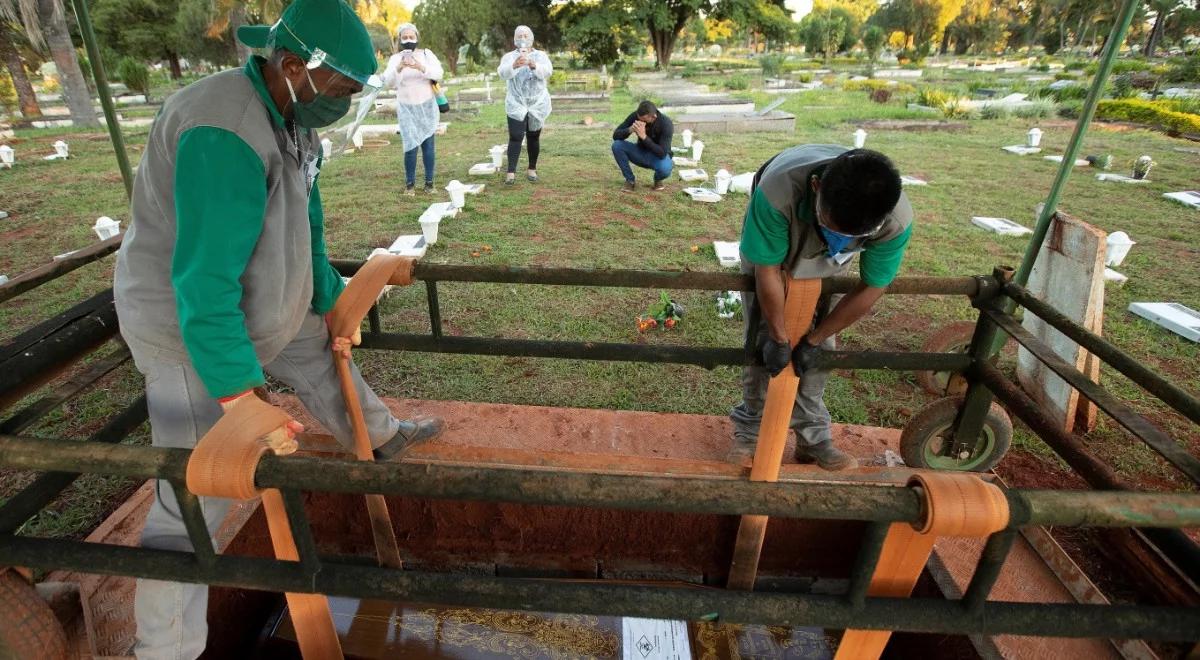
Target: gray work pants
{"x": 810, "y": 417}
{"x": 172, "y": 617}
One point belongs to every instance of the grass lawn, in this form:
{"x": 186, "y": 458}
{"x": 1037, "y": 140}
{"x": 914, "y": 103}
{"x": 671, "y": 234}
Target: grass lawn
{"x": 577, "y": 217}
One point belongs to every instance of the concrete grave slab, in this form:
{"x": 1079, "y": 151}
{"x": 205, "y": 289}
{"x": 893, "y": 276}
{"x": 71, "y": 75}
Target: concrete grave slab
{"x": 1120, "y": 178}
{"x": 776, "y": 121}
{"x": 1079, "y": 162}
{"x": 1187, "y": 198}
{"x": 1021, "y": 150}
{"x": 1002, "y": 226}
{"x": 1180, "y": 319}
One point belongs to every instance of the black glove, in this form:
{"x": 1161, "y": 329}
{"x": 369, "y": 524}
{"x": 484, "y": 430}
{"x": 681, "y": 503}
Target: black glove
{"x": 805, "y": 356}
{"x": 775, "y": 354}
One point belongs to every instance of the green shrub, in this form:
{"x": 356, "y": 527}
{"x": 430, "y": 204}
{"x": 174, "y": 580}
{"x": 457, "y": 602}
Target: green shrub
{"x": 804, "y": 77}
{"x": 1122, "y": 86}
{"x": 871, "y": 85}
{"x": 1065, "y": 75}
{"x": 1119, "y": 67}
{"x": 135, "y": 75}
{"x": 1067, "y": 93}
{"x": 881, "y": 95}
{"x": 737, "y": 82}
{"x": 958, "y": 109}
{"x": 1159, "y": 114}
{"x": 1037, "y": 109}
{"x": 1184, "y": 69}
{"x": 1070, "y": 109}
{"x": 933, "y": 97}
{"x": 8, "y": 93}
{"x": 691, "y": 70}
{"x": 1076, "y": 65}
{"x": 994, "y": 111}
{"x": 772, "y": 65}
{"x": 1190, "y": 105}
{"x": 1044, "y": 68}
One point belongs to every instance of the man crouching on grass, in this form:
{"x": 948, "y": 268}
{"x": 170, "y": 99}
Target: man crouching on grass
{"x": 652, "y": 150}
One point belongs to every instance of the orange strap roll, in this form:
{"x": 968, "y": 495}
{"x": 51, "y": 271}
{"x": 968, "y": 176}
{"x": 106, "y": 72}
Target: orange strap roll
{"x": 959, "y": 504}
{"x": 224, "y": 461}
{"x": 364, "y": 289}
{"x": 223, "y": 465}
{"x": 954, "y": 504}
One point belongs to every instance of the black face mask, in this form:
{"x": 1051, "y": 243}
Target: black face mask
{"x": 408, "y": 45}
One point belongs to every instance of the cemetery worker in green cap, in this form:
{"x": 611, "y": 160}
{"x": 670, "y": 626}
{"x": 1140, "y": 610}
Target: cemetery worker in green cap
{"x": 813, "y": 208}
{"x": 223, "y": 275}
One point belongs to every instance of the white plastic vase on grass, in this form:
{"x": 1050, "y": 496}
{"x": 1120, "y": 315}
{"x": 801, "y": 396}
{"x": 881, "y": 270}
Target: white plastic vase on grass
{"x": 106, "y": 227}
{"x": 687, "y": 138}
{"x": 429, "y": 227}
{"x": 1118, "y": 246}
{"x": 497, "y": 154}
{"x": 61, "y": 149}
{"x": 742, "y": 183}
{"x": 724, "y": 178}
{"x": 326, "y": 148}
{"x": 441, "y": 128}
{"x": 860, "y": 138}
{"x": 357, "y": 138}
{"x": 458, "y": 194}
{"x": 1034, "y": 137}
{"x": 8, "y": 156}
{"x": 697, "y": 150}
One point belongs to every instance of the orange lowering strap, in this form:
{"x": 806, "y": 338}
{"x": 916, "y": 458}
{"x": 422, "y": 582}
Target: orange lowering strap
{"x": 354, "y": 303}
{"x": 799, "y": 307}
{"x": 223, "y": 465}
{"x": 955, "y": 504}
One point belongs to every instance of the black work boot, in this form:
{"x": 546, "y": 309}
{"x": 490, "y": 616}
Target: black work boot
{"x": 411, "y": 433}
{"x": 826, "y": 456}
{"x": 742, "y": 451}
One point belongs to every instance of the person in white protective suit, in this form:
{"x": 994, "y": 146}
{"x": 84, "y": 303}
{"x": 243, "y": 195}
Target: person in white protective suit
{"x": 528, "y": 101}
{"x": 412, "y": 72}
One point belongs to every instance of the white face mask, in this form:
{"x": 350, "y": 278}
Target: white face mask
{"x": 523, "y": 42}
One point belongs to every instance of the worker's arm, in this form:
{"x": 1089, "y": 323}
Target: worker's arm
{"x": 765, "y": 244}
{"x": 506, "y": 70}
{"x": 327, "y": 282}
{"x": 880, "y": 264}
{"x": 542, "y": 68}
{"x": 220, "y": 201}
{"x": 624, "y": 129}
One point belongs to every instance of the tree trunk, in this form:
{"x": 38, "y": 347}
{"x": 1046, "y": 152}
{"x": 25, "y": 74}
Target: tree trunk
{"x": 1155, "y": 33}
{"x": 26, "y": 97}
{"x": 945, "y": 42}
{"x": 176, "y": 69}
{"x": 664, "y": 43}
{"x": 237, "y": 18}
{"x": 70, "y": 76}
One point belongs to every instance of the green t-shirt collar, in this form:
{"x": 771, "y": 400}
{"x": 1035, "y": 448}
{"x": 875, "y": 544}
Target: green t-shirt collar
{"x": 254, "y": 73}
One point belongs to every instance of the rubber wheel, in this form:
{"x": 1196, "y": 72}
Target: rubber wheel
{"x": 954, "y": 338}
{"x": 925, "y": 435}
{"x": 28, "y": 629}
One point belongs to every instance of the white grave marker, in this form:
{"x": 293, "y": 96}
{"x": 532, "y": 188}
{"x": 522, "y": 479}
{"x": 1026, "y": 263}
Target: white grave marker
{"x": 1180, "y": 319}
{"x": 1002, "y": 226}
{"x": 703, "y": 195}
{"x": 1187, "y": 198}
{"x": 728, "y": 253}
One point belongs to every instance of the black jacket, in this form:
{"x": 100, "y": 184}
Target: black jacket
{"x": 658, "y": 134}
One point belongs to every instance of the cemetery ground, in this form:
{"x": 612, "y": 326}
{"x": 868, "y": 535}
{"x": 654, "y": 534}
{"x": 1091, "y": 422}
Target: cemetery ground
{"x": 576, "y": 217}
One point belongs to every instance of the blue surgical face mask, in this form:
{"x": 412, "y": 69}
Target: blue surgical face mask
{"x": 836, "y": 242}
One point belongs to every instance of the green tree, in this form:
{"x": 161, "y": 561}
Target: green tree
{"x": 873, "y": 38}
{"x": 758, "y": 20}
{"x": 917, "y": 20}
{"x": 824, "y": 33}
{"x": 600, "y": 33}
{"x": 447, "y": 25}
{"x": 664, "y": 20}
{"x": 143, "y": 29}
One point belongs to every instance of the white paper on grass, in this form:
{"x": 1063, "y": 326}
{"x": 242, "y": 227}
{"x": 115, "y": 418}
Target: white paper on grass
{"x": 728, "y": 252}
{"x": 1002, "y": 226}
{"x": 1187, "y": 197}
{"x": 654, "y": 639}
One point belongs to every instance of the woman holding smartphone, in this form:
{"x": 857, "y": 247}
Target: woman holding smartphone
{"x": 527, "y": 103}
{"x": 412, "y": 72}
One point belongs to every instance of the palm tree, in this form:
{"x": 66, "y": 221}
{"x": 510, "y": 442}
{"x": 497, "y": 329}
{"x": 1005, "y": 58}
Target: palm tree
{"x": 26, "y": 98}
{"x": 45, "y": 24}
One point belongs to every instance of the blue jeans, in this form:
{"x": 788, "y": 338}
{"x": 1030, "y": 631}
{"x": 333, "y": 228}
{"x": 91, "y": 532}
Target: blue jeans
{"x": 410, "y": 162}
{"x": 626, "y": 152}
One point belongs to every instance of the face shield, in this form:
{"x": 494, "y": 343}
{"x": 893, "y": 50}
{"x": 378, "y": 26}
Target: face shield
{"x": 342, "y": 81}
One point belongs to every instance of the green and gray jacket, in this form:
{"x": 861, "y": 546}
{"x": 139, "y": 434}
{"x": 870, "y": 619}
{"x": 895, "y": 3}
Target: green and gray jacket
{"x": 225, "y": 253}
{"x": 780, "y": 227}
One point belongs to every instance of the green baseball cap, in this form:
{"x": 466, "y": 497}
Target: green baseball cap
{"x": 325, "y": 32}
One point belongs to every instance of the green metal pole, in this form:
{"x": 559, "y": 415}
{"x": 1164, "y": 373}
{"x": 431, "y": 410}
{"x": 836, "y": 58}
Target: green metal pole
{"x": 106, "y": 102}
{"x": 1064, "y": 170}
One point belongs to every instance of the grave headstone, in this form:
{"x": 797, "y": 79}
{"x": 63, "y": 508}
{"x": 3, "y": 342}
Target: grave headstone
{"x": 1180, "y": 319}
{"x": 1187, "y": 198}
